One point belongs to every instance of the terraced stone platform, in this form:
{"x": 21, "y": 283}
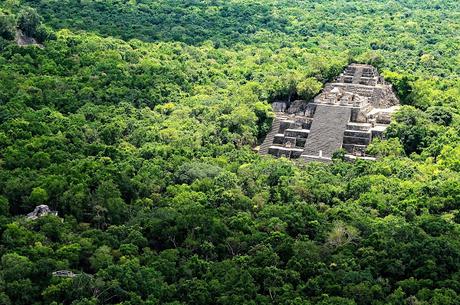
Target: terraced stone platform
{"x": 326, "y": 133}
{"x": 348, "y": 114}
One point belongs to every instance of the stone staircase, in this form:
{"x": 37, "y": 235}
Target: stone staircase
{"x": 356, "y": 138}
{"x": 270, "y": 136}
{"x": 327, "y": 130}
{"x": 357, "y": 76}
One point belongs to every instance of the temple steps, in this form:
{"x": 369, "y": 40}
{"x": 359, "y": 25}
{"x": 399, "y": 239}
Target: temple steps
{"x": 310, "y": 158}
{"x": 327, "y": 130}
{"x": 270, "y": 136}
{"x": 357, "y": 76}
{"x": 359, "y": 126}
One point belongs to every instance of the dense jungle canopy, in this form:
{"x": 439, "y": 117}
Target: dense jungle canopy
{"x": 136, "y": 121}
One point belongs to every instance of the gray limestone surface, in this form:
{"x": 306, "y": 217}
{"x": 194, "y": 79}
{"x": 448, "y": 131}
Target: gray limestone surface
{"x": 326, "y": 133}
{"x": 41, "y": 210}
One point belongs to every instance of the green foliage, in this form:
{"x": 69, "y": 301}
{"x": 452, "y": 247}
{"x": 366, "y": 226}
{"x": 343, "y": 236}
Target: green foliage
{"x": 401, "y": 35}
{"x": 4, "y": 206}
{"x": 102, "y": 258}
{"x": 440, "y": 115}
{"x": 144, "y": 147}
{"x": 28, "y": 21}
{"x": 386, "y": 148}
{"x": 308, "y": 88}
{"x": 15, "y": 267}
{"x": 189, "y": 172}
{"x": 411, "y": 126}
{"x": 7, "y": 26}
{"x": 38, "y": 196}
{"x": 44, "y": 33}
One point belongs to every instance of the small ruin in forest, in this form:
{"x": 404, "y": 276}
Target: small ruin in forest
{"x": 348, "y": 114}
{"x": 41, "y": 210}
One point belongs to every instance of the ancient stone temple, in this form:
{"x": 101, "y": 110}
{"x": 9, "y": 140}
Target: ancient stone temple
{"x": 347, "y": 114}
{"x": 41, "y": 210}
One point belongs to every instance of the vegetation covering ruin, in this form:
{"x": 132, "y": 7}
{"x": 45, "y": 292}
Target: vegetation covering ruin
{"x": 136, "y": 123}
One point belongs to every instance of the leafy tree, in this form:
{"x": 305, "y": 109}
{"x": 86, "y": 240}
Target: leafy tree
{"x": 38, "y": 196}
{"x": 44, "y": 33}
{"x": 4, "y": 206}
{"x": 15, "y": 267}
{"x": 102, "y": 258}
{"x": 189, "y": 172}
{"x": 308, "y": 88}
{"x": 7, "y": 26}
{"x": 411, "y": 127}
{"x": 385, "y": 148}
{"x": 28, "y": 21}
{"x": 440, "y": 115}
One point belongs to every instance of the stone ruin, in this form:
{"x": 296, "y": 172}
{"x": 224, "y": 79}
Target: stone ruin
{"x": 64, "y": 273}
{"x": 23, "y": 40}
{"x": 41, "y": 210}
{"x": 70, "y": 274}
{"x": 348, "y": 114}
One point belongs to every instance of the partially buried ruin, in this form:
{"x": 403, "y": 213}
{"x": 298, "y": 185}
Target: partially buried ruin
{"x": 348, "y": 114}
{"x": 40, "y": 211}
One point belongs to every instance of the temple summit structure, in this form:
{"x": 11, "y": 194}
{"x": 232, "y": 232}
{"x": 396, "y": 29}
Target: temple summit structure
{"x": 348, "y": 114}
